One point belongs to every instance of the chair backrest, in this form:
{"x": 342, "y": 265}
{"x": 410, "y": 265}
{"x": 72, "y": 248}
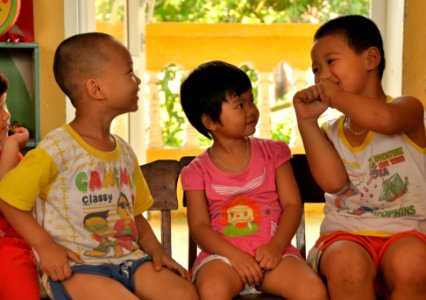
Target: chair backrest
{"x": 309, "y": 190}
{"x": 162, "y": 177}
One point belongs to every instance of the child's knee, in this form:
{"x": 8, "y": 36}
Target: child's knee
{"x": 405, "y": 262}
{"x": 406, "y": 271}
{"x": 186, "y": 292}
{"x": 347, "y": 265}
{"x": 316, "y": 290}
{"x": 216, "y": 287}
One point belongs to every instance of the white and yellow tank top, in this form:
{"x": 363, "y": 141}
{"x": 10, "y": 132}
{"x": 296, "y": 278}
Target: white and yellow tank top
{"x": 387, "y": 189}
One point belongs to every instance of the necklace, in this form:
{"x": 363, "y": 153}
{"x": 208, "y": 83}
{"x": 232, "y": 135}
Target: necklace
{"x": 228, "y": 167}
{"x": 347, "y": 125}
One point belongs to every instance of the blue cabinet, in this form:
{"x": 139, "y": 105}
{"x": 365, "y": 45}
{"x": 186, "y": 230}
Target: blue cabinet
{"x": 20, "y": 63}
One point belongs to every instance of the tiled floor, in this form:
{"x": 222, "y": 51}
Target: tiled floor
{"x": 313, "y": 216}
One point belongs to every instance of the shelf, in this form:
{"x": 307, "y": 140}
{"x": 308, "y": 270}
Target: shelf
{"x": 20, "y": 63}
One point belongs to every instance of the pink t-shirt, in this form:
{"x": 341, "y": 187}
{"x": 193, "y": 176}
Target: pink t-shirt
{"x": 244, "y": 208}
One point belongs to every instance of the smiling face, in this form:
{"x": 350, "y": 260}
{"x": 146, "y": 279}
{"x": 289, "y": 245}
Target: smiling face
{"x": 240, "y": 214}
{"x": 333, "y": 58}
{"x": 239, "y": 115}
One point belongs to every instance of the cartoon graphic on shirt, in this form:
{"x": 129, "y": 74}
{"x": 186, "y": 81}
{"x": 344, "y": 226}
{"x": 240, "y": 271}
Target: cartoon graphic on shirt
{"x": 393, "y": 188}
{"x": 240, "y": 215}
{"x": 97, "y": 224}
{"x": 361, "y": 210}
{"x": 340, "y": 200}
{"x": 125, "y": 228}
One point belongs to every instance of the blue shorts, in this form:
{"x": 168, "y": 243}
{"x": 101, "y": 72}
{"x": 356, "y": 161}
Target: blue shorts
{"x": 123, "y": 273}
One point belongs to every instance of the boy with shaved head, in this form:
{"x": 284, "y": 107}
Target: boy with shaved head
{"x": 91, "y": 238}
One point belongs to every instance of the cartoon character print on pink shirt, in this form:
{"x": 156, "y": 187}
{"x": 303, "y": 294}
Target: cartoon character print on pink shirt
{"x": 241, "y": 217}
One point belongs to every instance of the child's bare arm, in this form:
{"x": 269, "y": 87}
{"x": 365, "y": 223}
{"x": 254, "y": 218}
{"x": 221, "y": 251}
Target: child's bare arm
{"x": 324, "y": 162}
{"x": 150, "y": 244}
{"x": 403, "y": 115}
{"x": 208, "y": 239}
{"x": 269, "y": 256}
{"x": 53, "y": 257}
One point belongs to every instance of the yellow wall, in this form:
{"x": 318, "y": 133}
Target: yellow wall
{"x": 414, "y": 51}
{"x": 261, "y": 45}
{"x": 49, "y": 32}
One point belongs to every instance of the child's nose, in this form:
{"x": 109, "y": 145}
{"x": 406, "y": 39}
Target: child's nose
{"x": 252, "y": 109}
{"x": 320, "y": 74}
{"x": 324, "y": 73}
{"x": 5, "y": 115}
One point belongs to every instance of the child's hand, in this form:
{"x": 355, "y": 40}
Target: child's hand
{"x": 54, "y": 261}
{"x": 20, "y": 136}
{"x": 268, "y": 256}
{"x": 248, "y": 269}
{"x": 161, "y": 259}
{"x": 310, "y": 103}
{"x": 329, "y": 88}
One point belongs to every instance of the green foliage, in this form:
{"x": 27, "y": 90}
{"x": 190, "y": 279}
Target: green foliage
{"x": 205, "y": 142}
{"x": 109, "y": 10}
{"x": 251, "y": 73}
{"x": 172, "y": 117}
{"x": 282, "y": 127}
{"x": 255, "y": 11}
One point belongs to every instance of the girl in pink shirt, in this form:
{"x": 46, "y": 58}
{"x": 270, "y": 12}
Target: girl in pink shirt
{"x": 243, "y": 201}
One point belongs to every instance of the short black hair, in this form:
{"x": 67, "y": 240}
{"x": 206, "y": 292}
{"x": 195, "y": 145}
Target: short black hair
{"x": 206, "y": 87}
{"x": 4, "y": 83}
{"x": 79, "y": 56}
{"x": 360, "y": 33}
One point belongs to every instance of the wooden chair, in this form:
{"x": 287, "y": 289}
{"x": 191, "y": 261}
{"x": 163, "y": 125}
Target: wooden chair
{"x": 310, "y": 193}
{"x": 162, "y": 177}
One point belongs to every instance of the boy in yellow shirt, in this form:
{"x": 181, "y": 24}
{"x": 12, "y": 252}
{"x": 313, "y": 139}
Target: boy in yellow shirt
{"x": 91, "y": 237}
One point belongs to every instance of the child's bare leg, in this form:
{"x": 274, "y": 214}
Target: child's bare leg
{"x": 293, "y": 279}
{"x": 403, "y": 268}
{"x": 164, "y": 284}
{"x": 349, "y": 271}
{"x": 218, "y": 280}
{"x": 89, "y": 286}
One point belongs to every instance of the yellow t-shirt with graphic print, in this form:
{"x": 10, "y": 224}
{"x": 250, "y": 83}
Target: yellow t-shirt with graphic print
{"x": 85, "y": 198}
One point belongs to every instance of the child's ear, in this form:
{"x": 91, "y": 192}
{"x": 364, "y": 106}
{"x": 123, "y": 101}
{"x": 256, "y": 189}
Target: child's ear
{"x": 373, "y": 58}
{"x": 93, "y": 89}
{"x": 208, "y": 122}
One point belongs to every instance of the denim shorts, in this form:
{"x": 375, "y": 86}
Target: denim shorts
{"x": 123, "y": 273}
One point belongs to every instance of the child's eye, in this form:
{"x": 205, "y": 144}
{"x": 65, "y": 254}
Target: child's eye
{"x": 239, "y": 105}
{"x": 330, "y": 61}
{"x": 314, "y": 70}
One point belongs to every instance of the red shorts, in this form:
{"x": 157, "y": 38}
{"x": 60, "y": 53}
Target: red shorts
{"x": 375, "y": 246}
{"x": 18, "y": 273}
